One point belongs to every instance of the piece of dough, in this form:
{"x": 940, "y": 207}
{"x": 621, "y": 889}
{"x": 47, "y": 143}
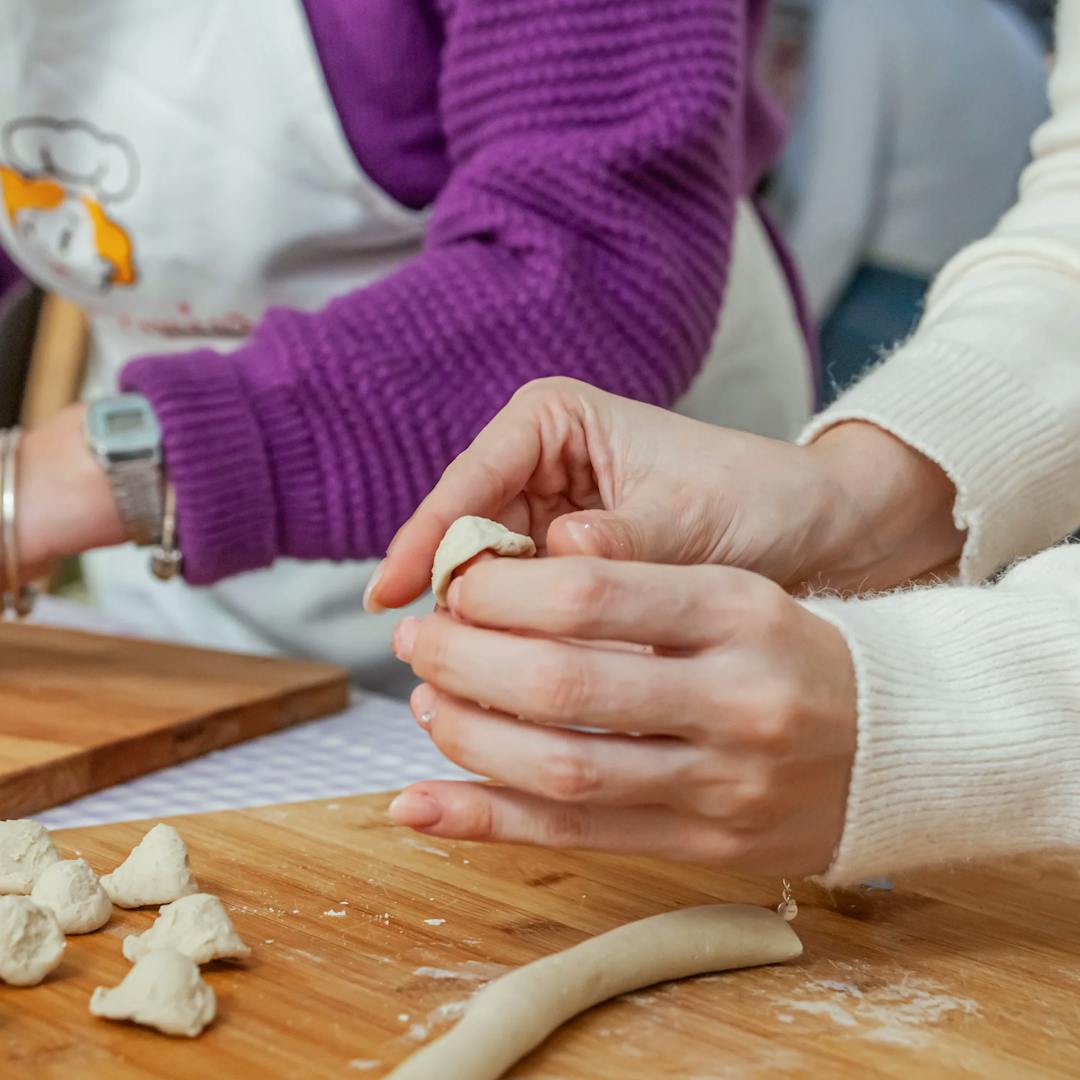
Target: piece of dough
{"x": 26, "y": 849}
{"x": 164, "y": 990}
{"x": 31, "y": 941}
{"x": 71, "y": 890}
{"x": 517, "y": 1012}
{"x": 156, "y": 872}
{"x": 197, "y": 926}
{"x": 464, "y": 540}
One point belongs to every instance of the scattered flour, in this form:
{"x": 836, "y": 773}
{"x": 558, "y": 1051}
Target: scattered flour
{"x": 363, "y": 1064}
{"x": 434, "y": 922}
{"x": 332, "y": 914}
{"x": 901, "y": 1012}
{"x": 470, "y": 971}
{"x": 428, "y": 849}
{"x": 417, "y": 1032}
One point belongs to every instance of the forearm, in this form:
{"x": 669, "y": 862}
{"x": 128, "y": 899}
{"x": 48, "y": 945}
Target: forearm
{"x": 585, "y": 237}
{"x": 988, "y": 389}
{"x": 968, "y": 743}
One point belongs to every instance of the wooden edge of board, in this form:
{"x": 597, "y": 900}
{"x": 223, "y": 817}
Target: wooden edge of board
{"x": 318, "y": 690}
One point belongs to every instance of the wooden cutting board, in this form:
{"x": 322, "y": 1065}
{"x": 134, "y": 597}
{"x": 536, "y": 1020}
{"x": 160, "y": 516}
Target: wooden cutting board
{"x": 79, "y": 712}
{"x": 367, "y": 940}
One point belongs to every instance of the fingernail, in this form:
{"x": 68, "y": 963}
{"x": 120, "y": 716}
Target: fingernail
{"x": 405, "y": 638}
{"x": 415, "y": 810}
{"x": 371, "y": 605}
{"x": 453, "y": 595}
{"x": 422, "y": 702}
{"x": 584, "y": 535}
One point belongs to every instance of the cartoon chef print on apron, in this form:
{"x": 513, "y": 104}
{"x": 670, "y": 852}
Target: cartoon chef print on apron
{"x": 156, "y": 170}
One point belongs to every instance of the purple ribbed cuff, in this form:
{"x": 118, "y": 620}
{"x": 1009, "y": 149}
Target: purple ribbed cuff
{"x": 216, "y": 461}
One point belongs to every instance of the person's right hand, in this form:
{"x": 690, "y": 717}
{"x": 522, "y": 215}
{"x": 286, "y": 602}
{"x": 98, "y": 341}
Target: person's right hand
{"x": 584, "y": 472}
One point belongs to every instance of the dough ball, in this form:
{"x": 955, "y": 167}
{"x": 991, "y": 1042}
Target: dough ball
{"x": 197, "y": 926}
{"x": 31, "y": 941}
{"x": 157, "y": 871}
{"x": 164, "y": 990}
{"x": 26, "y": 849}
{"x": 467, "y": 538}
{"x": 71, "y": 890}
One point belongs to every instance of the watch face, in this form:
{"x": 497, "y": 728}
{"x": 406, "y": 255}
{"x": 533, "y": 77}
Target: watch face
{"x": 123, "y": 428}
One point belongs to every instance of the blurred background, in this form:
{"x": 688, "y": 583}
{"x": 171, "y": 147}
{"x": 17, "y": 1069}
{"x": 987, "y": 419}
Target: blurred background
{"x": 911, "y": 122}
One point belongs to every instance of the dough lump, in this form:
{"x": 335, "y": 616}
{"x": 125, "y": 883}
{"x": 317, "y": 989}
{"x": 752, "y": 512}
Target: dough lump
{"x": 464, "y": 540}
{"x": 31, "y": 941}
{"x": 71, "y": 890}
{"x": 197, "y": 926}
{"x": 517, "y": 1012}
{"x": 26, "y": 849}
{"x": 164, "y": 990}
{"x": 156, "y": 872}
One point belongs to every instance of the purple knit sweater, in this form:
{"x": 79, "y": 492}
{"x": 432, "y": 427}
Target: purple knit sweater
{"x": 583, "y": 157}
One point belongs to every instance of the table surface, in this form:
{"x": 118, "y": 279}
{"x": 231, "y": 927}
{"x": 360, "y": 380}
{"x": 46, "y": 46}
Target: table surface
{"x": 369, "y": 940}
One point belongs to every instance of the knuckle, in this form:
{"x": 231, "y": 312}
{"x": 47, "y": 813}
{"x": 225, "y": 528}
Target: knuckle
{"x": 482, "y": 822}
{"x": 772, "y": 608}
{"x": 753, "y": 797}
{"x": 566, "y": 827}
{"x": 567, "y": 778}
{"x": 582, "y": 589}
{"x": 543, "y": 388}
{"x": 560, "y": 689}
{"x": 775, "y": 721}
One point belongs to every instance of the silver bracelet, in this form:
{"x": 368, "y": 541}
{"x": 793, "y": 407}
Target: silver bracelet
{"x": 17, "y": 596}
{"x": 166, "y": 560}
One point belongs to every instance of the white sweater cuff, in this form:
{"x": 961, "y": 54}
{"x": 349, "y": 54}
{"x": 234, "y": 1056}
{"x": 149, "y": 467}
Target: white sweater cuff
{"x": 1002, "y": 446}
{"x": 969, "y": 726}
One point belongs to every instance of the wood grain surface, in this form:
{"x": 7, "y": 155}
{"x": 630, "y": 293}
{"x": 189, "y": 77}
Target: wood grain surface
{"x": 959, "y": 973}
{"x": 79, "y": 712}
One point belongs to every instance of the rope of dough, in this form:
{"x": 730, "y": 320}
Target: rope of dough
{"x": 517, "y": 1012}
{"x": 464, "y": 540}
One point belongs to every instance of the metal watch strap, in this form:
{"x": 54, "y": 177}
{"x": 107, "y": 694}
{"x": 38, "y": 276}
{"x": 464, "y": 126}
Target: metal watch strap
{"x": 137, "y": 489}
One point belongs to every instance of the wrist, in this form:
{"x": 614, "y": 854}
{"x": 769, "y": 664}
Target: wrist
{"x": 889, "y": 510}
{"x": 65, "y": 503}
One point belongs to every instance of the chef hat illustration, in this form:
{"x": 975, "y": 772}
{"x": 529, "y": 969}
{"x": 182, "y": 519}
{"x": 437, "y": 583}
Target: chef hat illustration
{"x": 73, "y": 152}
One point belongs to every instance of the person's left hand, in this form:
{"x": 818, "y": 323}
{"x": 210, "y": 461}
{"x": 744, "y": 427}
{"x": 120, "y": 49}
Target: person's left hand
{"x": 729, "y": 742}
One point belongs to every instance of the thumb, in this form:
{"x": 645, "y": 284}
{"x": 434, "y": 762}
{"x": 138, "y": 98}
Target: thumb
{"x": 635, "y": 534}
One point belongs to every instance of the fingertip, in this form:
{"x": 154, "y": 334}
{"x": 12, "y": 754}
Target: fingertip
{"x": 415, "y": 809}
{"x": 371, "y": 602}
{"x": 576, "y": 534}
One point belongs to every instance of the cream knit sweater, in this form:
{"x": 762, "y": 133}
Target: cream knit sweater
{"x": 969, "y": 695}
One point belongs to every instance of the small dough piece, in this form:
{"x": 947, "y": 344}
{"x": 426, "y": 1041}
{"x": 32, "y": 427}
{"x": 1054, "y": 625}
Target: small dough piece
{"x": 517, "y": 1012}
{"x": 71, "y": 890}
{"x": 197, "y": 926}
{"x": 31, "y": 941}
{"x": 464, "y": 540}
{"x": 164, "y": 990}
{"x": 156, "y": 872}
{"x": 26, "y": 849}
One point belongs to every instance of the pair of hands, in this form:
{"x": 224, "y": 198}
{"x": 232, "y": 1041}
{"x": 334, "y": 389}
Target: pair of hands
{"x": 725, "y": 711}
{"x": 720, "y": 713}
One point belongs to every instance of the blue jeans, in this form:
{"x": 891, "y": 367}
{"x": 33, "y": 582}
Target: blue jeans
{"x": 880, "y": 308}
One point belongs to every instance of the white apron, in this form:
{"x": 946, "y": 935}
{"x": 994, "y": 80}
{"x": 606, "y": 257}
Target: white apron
{"x": 177, "y": 168}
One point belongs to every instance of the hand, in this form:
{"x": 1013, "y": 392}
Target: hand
{"x": 729, "y": 742}
{"x": 584, "y": 472}
{"x": 65, "y": 505}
